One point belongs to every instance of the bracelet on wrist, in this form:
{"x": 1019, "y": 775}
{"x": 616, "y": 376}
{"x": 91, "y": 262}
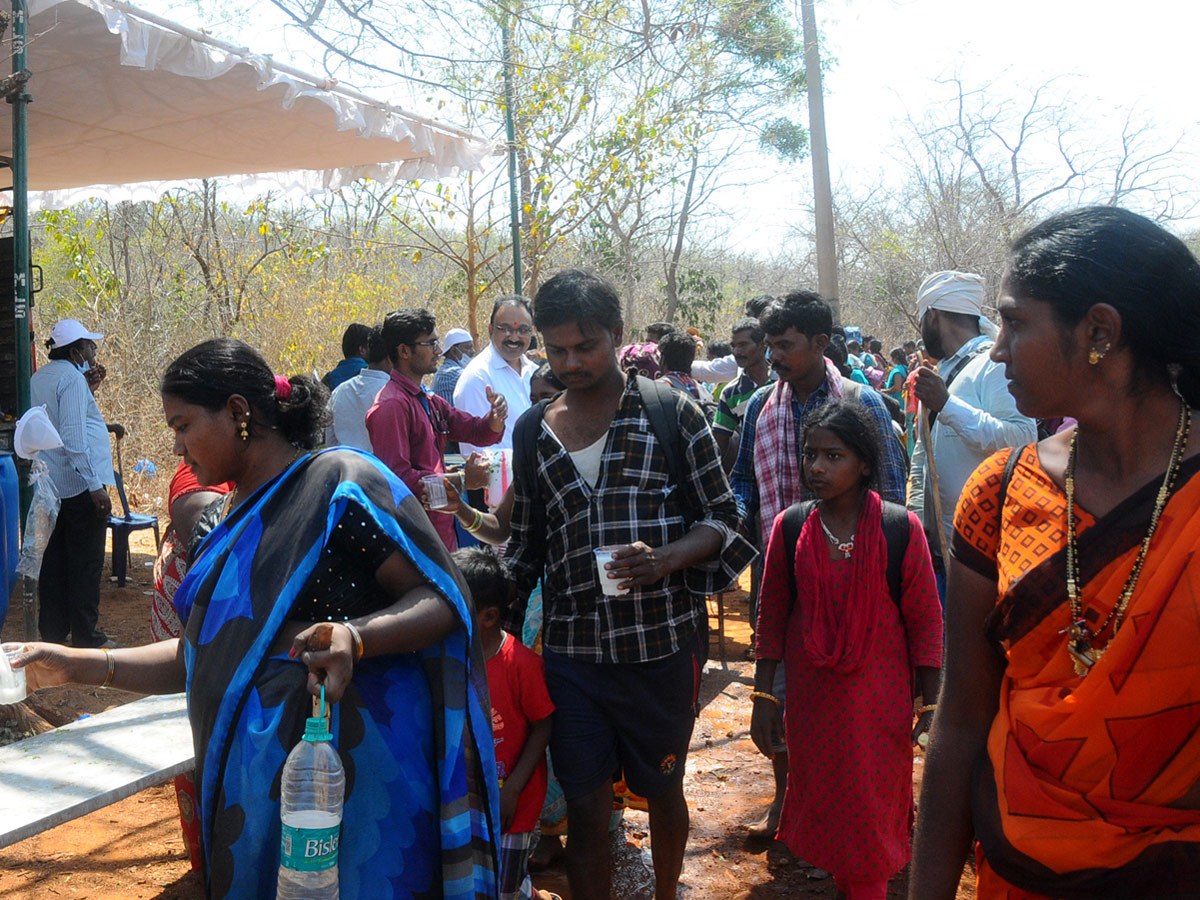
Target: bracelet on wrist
{"x": 112, "y": 667}
{"x": 356, "y": 636}
{"x": 476, "y": 523}
{"x": 929, "y": 707}
{"x": 763, "y": 695}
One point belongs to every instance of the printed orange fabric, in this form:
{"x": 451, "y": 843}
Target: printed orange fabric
{"x": 1087, "y": 775}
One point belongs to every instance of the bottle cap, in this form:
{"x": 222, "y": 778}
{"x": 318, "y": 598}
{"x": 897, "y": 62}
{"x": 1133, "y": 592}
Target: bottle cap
{"x": 315, "y": 729}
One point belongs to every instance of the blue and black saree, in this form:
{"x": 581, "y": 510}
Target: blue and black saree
{"x": 413, "y": 730}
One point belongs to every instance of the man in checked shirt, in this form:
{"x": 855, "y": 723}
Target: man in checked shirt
{"x": 623, "y": 671}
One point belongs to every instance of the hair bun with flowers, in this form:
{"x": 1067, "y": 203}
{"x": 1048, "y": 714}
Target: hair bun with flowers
{"x": 283, "y": 388}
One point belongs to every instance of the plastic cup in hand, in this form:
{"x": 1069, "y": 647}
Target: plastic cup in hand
{"x": 499, "y": 476}
{"x": 435, "y": 491}
{"x": 12, "y": 681}
{"x": 607, "y": 585}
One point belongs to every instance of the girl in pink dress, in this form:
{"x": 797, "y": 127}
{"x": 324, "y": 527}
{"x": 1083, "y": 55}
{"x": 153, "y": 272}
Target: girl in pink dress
{"x": 855, "y": 642}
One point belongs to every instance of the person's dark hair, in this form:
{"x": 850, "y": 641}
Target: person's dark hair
{"x": 574, "y": 296}
{"x": 546, "y": 374}
{"x": 756, "y": 306}
{"x": 354, "y": 338}
{"x": 876, "y": 346}
{"x": 803, "y": 310}
{"x": 405, "y": 326}
{"x": 838, "y": 331}
{"x": 717, "y": 347}
{"x": 64, "y": 352}
{"x": 853, "y": 346}
{"x": 898, "y": 356}
{"x": 855, "y": 428}
{"x": 751, "y": 325}
{"x": 377, "y": 348}
{"x": 655, "y": 331}
{"x": 509, "y": 300}
{"x": 910, "y": 346}
{"x": 490, "y": 584}
{"x": 835, "y": 351}
{"x": 212, "y": 372}
{"x": 677, "y": 350}
{"x": 1103, "y": 254}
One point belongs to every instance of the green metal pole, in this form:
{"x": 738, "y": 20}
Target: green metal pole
{"x": 513, "y": 193}
{"x": 22, "y": 315}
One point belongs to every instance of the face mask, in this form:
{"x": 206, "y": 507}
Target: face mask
{"x": 83, "y": 366}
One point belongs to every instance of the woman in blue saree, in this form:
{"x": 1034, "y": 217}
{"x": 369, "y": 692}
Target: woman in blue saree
{"x": 309, "y": 538}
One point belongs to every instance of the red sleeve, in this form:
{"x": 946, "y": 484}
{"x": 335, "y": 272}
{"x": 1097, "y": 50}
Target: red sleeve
{"x": 919, "y": 605}
{"x": 534, "y": 698}
{"x": 774, "y": 597}
{"x": 389, "y": 425}
{"x": 466, "y": 427}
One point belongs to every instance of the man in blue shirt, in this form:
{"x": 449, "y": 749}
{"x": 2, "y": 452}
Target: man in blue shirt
{"x": 69, "y": 581}
{"x": 354, "y": 351}
{"x": 457, "y": 350}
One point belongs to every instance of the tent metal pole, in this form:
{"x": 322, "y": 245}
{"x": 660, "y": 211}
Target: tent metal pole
{"x": 513, "y": 195}
{"x": 22, "y": 314}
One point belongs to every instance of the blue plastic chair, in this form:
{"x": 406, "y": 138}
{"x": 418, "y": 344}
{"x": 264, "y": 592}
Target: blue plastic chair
{"x": 122, "y": 526}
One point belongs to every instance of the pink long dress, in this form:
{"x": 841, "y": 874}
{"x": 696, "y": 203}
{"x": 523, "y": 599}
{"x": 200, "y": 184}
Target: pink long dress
{"x": 848, "y": 806}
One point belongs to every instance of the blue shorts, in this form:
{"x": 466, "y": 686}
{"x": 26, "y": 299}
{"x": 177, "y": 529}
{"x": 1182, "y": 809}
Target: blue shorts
{"x": 631, "y": 718}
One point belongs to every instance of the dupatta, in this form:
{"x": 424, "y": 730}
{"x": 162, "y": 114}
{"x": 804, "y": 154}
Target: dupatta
{"x": 414, "y": 730}
{"x": 1073, "y": 797}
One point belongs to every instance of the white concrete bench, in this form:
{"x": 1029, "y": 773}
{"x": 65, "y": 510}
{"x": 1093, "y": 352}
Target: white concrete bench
{"x": 84, "y": 766}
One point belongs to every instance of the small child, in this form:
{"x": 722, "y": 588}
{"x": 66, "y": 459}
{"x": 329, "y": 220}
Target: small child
{"x": 521, "y": 710}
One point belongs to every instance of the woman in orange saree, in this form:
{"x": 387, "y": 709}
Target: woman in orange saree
{"x": 1067, "y": 736}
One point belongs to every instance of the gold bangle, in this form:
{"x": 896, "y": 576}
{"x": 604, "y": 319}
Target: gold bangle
{"x": 112, "y": 667}
{"x": 356, "y": 635}
{"x": 763, "y": 695}
{"x": 928, "y": 708}
{"x": 476, "y": 523}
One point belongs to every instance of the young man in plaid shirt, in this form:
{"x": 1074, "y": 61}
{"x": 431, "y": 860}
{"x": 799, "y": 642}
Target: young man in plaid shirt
{"x": 623, "y": 671}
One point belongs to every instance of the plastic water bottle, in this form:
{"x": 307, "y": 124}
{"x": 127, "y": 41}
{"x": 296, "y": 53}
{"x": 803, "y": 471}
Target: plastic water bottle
{"x": 312, "y": 791}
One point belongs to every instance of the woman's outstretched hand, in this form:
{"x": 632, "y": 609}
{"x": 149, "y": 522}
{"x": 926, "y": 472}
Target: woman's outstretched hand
{"x": 45, "y": 665}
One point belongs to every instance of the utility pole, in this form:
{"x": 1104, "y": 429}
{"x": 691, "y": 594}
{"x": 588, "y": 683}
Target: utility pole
{"x": 827, "y": 283}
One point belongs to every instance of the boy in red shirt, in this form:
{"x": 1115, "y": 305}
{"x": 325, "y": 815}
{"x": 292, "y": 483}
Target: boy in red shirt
{"x": 521, "y": 710}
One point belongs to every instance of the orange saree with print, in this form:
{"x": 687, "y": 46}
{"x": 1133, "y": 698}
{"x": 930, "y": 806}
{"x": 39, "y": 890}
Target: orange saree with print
{"x": 1090, "y": 787}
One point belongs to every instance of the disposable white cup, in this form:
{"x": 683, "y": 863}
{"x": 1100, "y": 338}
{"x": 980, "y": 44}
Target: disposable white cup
{"x": 499, "y": 476}
{"x": 607, "y": 585}
{"x": 435, "y": 491}
{"x": 12, "y": 682}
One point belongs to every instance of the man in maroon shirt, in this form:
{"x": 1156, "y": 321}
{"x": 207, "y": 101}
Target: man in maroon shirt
{"x": 409, "y": 426}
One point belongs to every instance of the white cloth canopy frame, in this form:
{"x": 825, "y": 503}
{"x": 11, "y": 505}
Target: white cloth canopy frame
{"x": 127, "y": 105}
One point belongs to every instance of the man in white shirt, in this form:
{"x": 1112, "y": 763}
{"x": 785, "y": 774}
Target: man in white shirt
{"x": 502, "y": 366}
{"x": 352, "y": 398}
{"x": 82, "y": 469}
{"x": 972, "y": 414}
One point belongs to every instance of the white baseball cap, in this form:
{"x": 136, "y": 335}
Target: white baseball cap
{"x": 455, "y": 336}
{"x": 68, "y": 331}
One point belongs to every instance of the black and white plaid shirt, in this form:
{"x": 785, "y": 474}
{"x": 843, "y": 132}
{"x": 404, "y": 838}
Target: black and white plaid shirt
{"x": 633, "y": 500}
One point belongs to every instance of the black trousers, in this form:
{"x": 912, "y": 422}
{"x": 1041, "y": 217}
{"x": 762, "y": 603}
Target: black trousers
{"x": 69, "y": 582}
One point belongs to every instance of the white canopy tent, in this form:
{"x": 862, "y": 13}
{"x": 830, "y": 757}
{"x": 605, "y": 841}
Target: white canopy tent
{"x": 127, "y": 105}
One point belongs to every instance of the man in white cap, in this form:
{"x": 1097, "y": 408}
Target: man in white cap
{"x": 69, "y": 582}
{"x": 457, "y": 350}
{"x": 350, "y": 400}
{"x": 971, "y": 413}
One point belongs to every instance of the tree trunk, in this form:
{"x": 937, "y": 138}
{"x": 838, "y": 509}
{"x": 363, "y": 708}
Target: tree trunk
{"x": 681, "y": 231}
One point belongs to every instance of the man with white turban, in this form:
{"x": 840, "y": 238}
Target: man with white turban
{"x": 971, "y": 413}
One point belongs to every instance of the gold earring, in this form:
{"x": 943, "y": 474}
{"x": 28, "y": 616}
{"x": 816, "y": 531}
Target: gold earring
{"x": 1094, "y": 355}
{"x": 246, "y": 430}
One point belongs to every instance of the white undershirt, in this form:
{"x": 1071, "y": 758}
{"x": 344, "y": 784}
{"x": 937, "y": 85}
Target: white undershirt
{"x": 587, "y": 461}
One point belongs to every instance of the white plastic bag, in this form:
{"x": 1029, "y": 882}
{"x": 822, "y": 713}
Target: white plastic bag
{"x": 39, "y": 523}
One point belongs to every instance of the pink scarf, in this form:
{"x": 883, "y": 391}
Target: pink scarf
{"x": 776, "y": 452}
{"x": 838, "y": 628}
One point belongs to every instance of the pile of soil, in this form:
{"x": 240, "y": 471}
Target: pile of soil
{"x": 133, "y": 850}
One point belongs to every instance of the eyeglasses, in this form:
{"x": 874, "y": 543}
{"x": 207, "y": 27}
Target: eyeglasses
{"x": 509, "y": 331}
{"x": 432, "y": 343}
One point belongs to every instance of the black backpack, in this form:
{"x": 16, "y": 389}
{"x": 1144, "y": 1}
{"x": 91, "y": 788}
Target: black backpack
{"x": 895, "y": 535}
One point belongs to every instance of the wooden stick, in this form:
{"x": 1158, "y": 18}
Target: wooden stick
{"x": 931, "y": 482}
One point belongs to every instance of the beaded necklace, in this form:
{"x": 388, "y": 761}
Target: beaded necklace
{"x": 1079, "y": 633}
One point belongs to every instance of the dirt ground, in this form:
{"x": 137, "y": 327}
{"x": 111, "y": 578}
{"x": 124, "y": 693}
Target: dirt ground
{"x": 133, "y": 850}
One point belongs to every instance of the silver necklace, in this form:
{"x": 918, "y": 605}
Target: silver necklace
{"x": 846, "y": 546}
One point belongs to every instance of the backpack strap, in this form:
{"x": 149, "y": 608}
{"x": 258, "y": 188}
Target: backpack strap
{"x": 658, "y": 400}
{"x": 794, "y": 518}
{"x": 896, "y": 531}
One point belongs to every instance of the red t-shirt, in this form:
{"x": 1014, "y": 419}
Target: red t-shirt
{"x": 517, "y": 682}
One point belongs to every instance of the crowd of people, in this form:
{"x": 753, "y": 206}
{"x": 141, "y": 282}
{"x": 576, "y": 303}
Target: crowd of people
{"x": 1019, "y": 499}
